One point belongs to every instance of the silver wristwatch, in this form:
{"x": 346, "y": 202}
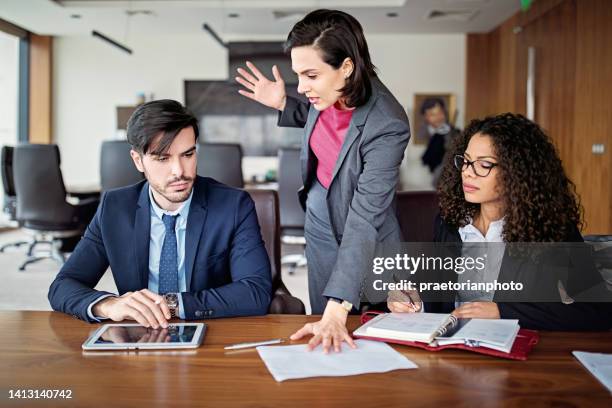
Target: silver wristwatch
{"x": 173, "y": 304}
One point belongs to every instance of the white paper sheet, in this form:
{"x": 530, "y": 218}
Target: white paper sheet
{"x": 291, "y": 362}
{"x": 599, "y": 364}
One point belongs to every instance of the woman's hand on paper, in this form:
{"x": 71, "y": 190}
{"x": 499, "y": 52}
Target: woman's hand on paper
{"x": 260, "y": 88}
{"x": 404, "y": 301}
{"x": 330, "y": 331}
{"x": 477, "y": 310}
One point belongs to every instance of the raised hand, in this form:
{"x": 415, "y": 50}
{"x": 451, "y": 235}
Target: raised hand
{"x": 260, "y": 88}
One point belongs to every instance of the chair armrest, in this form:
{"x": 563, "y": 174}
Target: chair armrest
{"x": 88, "y": 201}
{"x": 283, "y": 303}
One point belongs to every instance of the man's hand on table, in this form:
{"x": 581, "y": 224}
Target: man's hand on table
{"x": 147, "y": 308}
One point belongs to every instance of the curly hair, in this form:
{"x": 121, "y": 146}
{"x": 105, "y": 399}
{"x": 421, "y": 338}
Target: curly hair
{"x": 540, "y": 201}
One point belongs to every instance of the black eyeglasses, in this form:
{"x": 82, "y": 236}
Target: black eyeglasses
{"x": 481, "y": 168}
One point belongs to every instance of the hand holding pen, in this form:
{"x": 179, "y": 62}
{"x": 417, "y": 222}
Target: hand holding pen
{"x": 403, "y": 301}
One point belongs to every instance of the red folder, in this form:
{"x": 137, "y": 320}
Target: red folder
{"x": 525, "y": 340}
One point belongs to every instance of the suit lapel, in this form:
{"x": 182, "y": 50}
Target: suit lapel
{"x": 142, "y": 236}
{"x": 351, "y": 135}
{"x": 305, "y": 158}
{"x": 355, "y": 127}
{"x": 313, "y": 115}
{"x": 195, "y": 226}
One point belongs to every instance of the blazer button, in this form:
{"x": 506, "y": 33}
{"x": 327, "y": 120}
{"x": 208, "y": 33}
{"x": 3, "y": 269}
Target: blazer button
{"x": 198, "y": 313}
{"x": 210, "y": 312}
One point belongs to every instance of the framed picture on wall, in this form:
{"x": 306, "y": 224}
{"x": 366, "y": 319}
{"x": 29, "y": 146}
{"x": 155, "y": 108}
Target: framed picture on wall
{"x": 421, "y": 136}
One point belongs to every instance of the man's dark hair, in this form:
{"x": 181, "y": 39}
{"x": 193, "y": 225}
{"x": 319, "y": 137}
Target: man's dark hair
{"x": 337, "y": 35}
{"x": 152, "y": 118}
{"x": 431, "y": 103}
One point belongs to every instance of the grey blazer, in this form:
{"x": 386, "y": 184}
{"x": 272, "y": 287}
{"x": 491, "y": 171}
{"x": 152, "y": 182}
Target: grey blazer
{"x": 361, "y": 195}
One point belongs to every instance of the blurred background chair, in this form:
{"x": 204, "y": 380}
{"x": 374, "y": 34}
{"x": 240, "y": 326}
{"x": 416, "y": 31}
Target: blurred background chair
{"x": 222, "y": 162}
{"x": 116, "y": 166}
{"x": 416, "y": 212}
{"x": 291, "y": 212}
{"x": 10, "y": 200}
{"x": 598, "y": 238}
{"x": 602, "y": 255}
{"x": 266, "y": 205}
{"x": 41, "y": 202}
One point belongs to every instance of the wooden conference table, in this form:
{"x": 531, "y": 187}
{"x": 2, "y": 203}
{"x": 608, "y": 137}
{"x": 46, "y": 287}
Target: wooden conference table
{"x": 42, "y": 350}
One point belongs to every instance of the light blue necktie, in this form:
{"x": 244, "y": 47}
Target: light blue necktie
{"x": 168, "y": 261}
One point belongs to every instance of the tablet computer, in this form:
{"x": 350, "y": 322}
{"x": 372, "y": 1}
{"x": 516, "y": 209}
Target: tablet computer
{"x": 132, "y": 336}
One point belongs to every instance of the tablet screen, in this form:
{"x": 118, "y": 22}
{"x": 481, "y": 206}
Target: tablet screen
{"x": 138, "y": 334}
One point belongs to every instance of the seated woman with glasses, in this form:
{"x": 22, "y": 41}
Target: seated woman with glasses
{"x": 504, "y": 182}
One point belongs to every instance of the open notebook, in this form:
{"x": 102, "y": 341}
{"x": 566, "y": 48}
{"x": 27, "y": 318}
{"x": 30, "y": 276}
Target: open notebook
{"x": 436, "y": 330}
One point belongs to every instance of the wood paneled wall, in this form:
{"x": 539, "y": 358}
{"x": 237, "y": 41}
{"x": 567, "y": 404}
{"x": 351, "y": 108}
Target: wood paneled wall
{"x": 553, "y": 34}
{"x": 573, "y": 43}
{"x": 593, "y": 112}
{"x": 491, "y": 74}
{"x": 40, "y": 89}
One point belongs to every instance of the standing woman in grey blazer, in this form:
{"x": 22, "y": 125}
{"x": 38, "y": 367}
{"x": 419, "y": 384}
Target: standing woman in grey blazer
{"x": 354, "y": 141}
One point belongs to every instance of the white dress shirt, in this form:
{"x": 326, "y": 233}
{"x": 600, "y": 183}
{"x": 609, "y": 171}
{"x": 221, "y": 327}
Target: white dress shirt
{"x": 490, "y": 246}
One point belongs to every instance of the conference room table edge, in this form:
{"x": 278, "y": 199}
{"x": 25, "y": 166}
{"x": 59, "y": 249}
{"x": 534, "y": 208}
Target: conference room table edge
{"x": 41, "y": 350}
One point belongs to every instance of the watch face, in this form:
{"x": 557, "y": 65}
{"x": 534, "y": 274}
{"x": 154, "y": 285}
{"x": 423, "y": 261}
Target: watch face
{"x": 171, "y": 299}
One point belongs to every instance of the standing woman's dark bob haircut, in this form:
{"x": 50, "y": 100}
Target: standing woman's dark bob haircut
{"x": 337, "y": 35}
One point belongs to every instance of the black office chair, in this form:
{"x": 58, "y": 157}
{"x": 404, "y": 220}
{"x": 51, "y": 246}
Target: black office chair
{"x": 116, "y": 166}
{"x": 41, "y": 201}
{"x": 222, "y": 162}
{"x": 266, "y": 205}
{"x": 602, "y": 255}
{"x": 416, "y": 212}
{"x": 10, "y": 200}
{"x": 598, "y": 238}
{"x": 291, "y": 212}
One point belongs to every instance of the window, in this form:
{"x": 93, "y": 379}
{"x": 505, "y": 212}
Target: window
{"x": 9, "y": 88}
{"x": 9, "y": 91}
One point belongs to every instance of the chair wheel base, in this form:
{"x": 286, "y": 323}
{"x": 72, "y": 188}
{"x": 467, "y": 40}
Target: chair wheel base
{"x": 13, "y": 244}
{"x": 53, "y": 252}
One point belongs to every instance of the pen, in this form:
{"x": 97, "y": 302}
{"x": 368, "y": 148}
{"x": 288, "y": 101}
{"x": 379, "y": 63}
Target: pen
{"x": 398, "y": 280}
{"x": 253, "y": 344}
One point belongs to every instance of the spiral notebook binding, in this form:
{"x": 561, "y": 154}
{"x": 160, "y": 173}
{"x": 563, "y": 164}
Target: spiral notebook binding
{"x": 450, "y": 324}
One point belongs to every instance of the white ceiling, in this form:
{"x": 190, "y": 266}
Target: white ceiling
{"x": 256, "y": 17}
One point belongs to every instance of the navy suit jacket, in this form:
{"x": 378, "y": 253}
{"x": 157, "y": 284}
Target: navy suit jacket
{"x": 226, "y": 263}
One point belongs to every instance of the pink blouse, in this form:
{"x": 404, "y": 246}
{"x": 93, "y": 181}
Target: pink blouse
{"x": 326, "y": 140}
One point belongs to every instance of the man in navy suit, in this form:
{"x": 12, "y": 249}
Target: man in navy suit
{"x": 178, "y": 244}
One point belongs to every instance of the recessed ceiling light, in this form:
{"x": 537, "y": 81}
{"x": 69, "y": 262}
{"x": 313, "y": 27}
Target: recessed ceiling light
{"x": 233, "y": 15}
{"x": 131, "y": 13}
{"x": 392, "y": 14}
